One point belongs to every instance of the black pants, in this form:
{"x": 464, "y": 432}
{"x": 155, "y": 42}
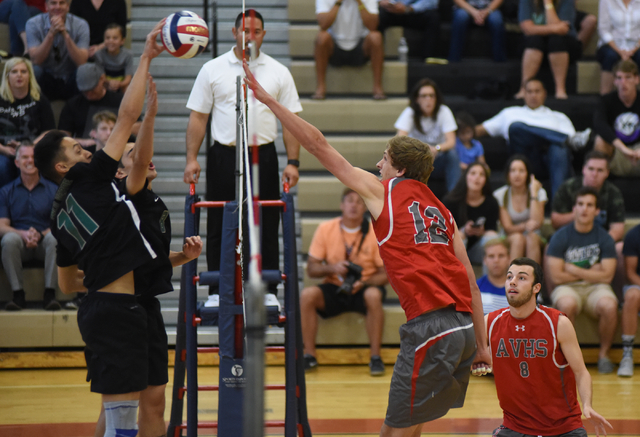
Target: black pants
{"x": 221, "y": 185}
{"x": 428, "y": 22}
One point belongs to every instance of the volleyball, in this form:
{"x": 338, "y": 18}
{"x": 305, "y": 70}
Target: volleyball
{"x": 185, "y": 34}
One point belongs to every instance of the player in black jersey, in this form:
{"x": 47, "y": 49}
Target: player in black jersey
{"x": 98, "y": 232}
{"x": 135, "y": 175}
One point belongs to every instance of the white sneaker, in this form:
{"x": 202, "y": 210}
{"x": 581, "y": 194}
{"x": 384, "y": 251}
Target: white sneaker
{"x": 626, "y": 367}
{"x": 580, "y": 139}
{"x": 270, "y": 300}
{"x": 212, "y": 301}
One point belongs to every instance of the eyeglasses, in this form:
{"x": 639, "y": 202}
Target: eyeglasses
{"x": 426, "y": 96}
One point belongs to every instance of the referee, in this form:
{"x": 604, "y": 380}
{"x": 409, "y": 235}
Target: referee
{"x": 214, "y": 91}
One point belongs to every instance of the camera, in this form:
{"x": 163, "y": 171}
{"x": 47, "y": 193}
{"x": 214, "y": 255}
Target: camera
{"x": 354, "y": 273}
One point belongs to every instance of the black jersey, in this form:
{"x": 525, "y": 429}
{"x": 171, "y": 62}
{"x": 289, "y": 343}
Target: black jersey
{"x": 96, "y": 227}
{"x": 154, "y": 277}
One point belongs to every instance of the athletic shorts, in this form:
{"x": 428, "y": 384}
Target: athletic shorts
{"x": 432, "y": 370}
{"x": 114, "y": 329}
{"x": 352, "y": 58}
{"x": 621, "y": 165}
{"x": 503, "y": 431}
{"x": 158, "y": 342}
{"x": 337, "y": 303}
{"x": 585, "y": 294}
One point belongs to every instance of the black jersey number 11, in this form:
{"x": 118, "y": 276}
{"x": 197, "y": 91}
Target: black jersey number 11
{"x": 65, "y": 221}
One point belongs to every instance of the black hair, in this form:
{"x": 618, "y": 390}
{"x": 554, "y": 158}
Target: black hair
{"x": 413, "y": 101}
{"x": 464, "y": 120}
{"x": 595, "y": 154}
{"x": 47, "y": 153}
{"x": 123, "y": 32}
{"x": 248, "y": 13}
{"x": 458, "y": 195}
{"x": 585, "y": 191}
{"x": 538, "y": 275}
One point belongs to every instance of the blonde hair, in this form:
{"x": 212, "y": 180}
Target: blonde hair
{"x": 101, "y": 116}
{"x": 5, "y": 89}
{"x": 413, "y": 156}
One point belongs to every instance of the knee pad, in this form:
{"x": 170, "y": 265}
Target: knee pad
{"x": 121, "y": 419}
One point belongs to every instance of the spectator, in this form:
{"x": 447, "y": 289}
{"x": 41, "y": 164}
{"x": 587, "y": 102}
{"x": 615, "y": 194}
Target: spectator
{"x": 99, "y": 14}
{"x": 116, "y": 61}
{"x": 348, "y": 36}
{"x": 337, "y": 243}
{"x": 480, "y": 13}
{"x": 474, "y": 209}
{"x": 586, "y": 25}
{"x": 429, "y": 120}
{"x": 214, "y": 92}
{"x": 491, "y": 285}
{"x": 522, "y": 202}
{"x": 58, "y": 44}
{"x": 421, "y": 15}
{"x": 103, "y": 124}
{"x": 25, "y": 206}
{"x": 619, "y": 32}
{"x": 539, "y": 133}
{"x": 631, "y": 305}
{"x": 469, "y": 150}
{"x": 77, "y": 114}
{"x": 617, "y": 121}
{"x": 595, "y": 172}
{"x": 581, "y": 262}
{"x": 24, "y": 113}
{"x": 548, "y": 28}
{"x": 15, "y": 13}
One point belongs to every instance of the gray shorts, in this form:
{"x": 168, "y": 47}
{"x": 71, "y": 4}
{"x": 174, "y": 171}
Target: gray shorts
{"x": 503, "y": 431}
{"x": 432, "y": 371}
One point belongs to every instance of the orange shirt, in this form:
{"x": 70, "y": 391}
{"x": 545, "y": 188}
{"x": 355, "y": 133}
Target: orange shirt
{"x": 330, "y": 243}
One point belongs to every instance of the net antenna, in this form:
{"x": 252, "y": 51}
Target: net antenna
{"x": 255, "y": 315}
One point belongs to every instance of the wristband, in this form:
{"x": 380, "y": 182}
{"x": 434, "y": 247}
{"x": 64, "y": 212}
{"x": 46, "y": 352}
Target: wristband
{"x": 360, "y": 7}
{"x": 294, "y": 162}
{"x": 548, "y": 6}
{"x": 338, "y": 3}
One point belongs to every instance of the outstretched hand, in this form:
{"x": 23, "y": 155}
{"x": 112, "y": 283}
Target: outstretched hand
{"x": 596, "y": 420}
{"x": 254, "y": 86}
{"x": 151, "y": 46}
{"x": 152, "y": 98}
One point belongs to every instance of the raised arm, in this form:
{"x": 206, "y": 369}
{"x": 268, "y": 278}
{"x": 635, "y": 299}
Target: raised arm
{"x": 362, "y": 182}
{"x": 482, "y": 361}
{"x": 142, "y": 153}
{"x": 131, "y": 105}
{"x": 571, "y": 350}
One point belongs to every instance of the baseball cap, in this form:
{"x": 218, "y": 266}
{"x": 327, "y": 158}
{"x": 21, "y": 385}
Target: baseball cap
{"x": 88, "y": 76}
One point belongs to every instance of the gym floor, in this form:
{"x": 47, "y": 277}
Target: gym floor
{"x": 342, "y": 401}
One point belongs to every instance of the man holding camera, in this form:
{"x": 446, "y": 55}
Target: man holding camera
{"x": 344, "y": 252}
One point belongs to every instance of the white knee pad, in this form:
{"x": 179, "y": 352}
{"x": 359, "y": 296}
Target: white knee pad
{"x": 121, "y": 419}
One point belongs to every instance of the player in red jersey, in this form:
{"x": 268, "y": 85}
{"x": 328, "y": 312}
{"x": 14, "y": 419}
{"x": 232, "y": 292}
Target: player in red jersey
{"x": 427, "y": 265}
{"x": 537, "y": 362}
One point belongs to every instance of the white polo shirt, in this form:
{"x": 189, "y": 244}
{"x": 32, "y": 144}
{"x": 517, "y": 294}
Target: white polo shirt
{"x": 540, "y": 117}
{"x": 348, "y": 29}
{"x": 214, "y": 91}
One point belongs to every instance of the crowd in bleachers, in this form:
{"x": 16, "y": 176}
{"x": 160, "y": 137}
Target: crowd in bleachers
{"x": 71, "y": 51}
{"x": 61, "y": 50}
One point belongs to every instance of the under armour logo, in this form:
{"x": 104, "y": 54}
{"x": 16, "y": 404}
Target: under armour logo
{"x": 519, "y": 328}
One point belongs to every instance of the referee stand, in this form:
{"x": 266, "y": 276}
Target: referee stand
{"x": 237, "y": 365}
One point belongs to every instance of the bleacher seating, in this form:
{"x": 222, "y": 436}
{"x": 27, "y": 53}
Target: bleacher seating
{"x": 353, "y": 123}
